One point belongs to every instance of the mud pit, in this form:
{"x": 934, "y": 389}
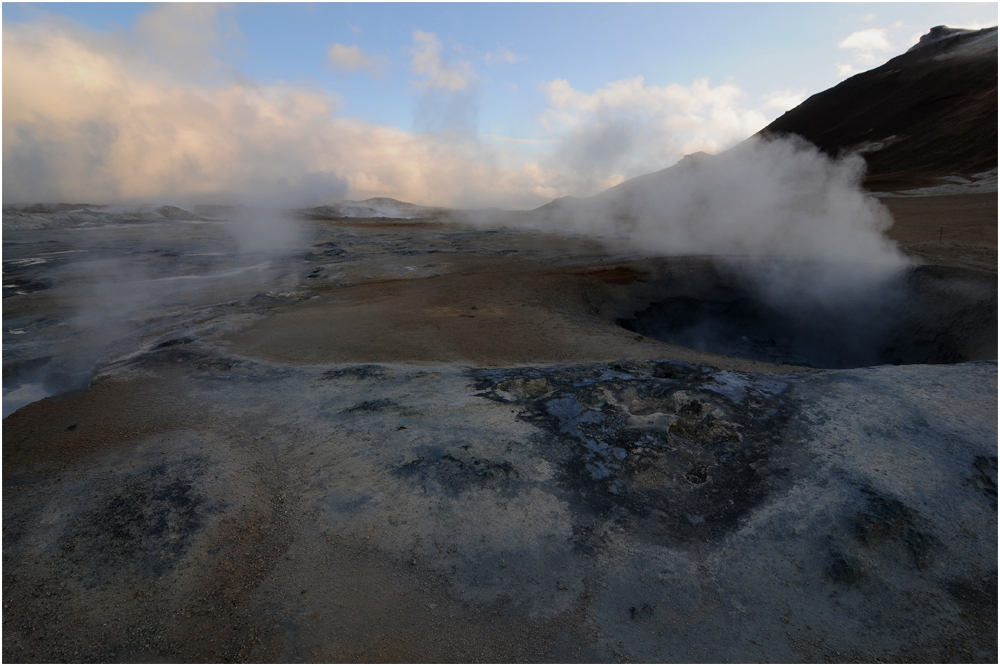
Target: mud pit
{"x": 925, "y": 314}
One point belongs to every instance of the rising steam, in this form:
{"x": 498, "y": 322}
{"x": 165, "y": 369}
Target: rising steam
{"x": 773, "y": 198}
{"x": 786, "y": 225}
{"x": 798, "y": 219}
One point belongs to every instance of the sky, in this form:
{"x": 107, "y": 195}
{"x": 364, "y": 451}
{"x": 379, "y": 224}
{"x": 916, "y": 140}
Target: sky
{"x": 467, "y": 105}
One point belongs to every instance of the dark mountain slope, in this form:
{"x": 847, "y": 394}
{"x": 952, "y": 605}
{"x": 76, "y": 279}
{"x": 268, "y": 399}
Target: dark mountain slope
{"x": 928, "y": 113}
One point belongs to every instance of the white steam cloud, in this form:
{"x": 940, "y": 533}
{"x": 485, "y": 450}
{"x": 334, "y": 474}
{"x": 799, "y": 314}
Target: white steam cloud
{"x": 434, "y": 70}
{"x": 792, "y": 221}
{"x": 779, "y": 197}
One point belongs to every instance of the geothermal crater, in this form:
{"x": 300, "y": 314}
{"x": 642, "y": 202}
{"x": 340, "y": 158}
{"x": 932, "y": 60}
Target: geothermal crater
{"x": 922, "y": 314}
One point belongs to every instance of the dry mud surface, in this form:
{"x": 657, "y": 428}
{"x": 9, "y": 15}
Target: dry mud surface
{"x": 957, "y": 230}
{"x": 426, "y": 442}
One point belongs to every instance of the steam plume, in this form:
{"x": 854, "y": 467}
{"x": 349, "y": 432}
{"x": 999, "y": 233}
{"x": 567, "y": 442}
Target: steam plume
{"x": 781, "y": 197}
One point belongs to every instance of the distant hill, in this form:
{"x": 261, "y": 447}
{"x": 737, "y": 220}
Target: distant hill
{"x": 374, "y": 208}
{"x": 924, "y": 115}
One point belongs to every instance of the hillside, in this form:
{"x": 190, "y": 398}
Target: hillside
{"x": 924, "y": 115}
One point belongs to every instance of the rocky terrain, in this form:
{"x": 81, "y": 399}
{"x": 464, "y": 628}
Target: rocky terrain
{"x": 412, "y": 435}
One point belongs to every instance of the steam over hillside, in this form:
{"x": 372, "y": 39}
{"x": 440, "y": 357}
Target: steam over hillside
{"x": 763, "y": 198}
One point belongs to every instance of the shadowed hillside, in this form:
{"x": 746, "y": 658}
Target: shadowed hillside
{"x": 929, "y": 113}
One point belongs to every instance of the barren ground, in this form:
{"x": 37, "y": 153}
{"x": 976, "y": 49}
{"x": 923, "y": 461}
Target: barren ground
{"x": 426, "y": 442}
{"x": 957, "y": 230}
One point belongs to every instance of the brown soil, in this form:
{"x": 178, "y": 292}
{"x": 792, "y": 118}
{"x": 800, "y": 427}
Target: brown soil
{"x": 957, "y": 230}
{"x": 511, "y": 310}
{"x": 489, "y": 313}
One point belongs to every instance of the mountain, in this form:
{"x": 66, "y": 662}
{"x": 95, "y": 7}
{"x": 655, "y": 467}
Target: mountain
{"x": 927, "y": 114}
{"x": 923, "y": 117}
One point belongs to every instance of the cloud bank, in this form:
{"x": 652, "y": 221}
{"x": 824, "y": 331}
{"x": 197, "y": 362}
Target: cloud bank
{"x": 158, "y": 114}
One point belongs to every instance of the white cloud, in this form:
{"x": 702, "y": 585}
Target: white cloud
{"x": 975, "y": 25}
{"x": 846, "y": 70}
{"x": 353, "y": 58}
{"x": 784, "y": 100}
{"x": 872, "y": 47}
{"x": 866, "y": 43}
{"x": 503, "y": 55}
{"x": 437, "y": 72}
{"x": 91, "y": 117}
{"x": 630, "y": 128}
{"x": 869, "y": 48}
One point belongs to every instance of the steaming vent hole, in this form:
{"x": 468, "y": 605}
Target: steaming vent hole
{"x": 925, "y": 314}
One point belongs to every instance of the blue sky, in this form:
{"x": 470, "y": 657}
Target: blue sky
{"x": 547, "y": 93}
